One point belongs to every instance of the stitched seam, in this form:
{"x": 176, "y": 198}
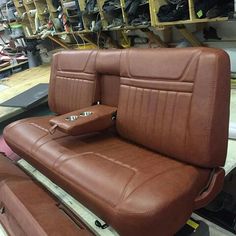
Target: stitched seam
{"x": 77, "y": 184}
{"x": 75, "y": 72}
{"x": 159, "y": 89}
{"x": 40, "y": 127}
{"x": 172, "y": 118}
{"x": 56, "y": 65}
{"x": 136, "y": 76}
{"x": 155, "y": 80}
{"x": 122, "y": 196}
{"x": 188, "y": 65}
{"x": 187, "y": 133}
{"x": 149, "y": 179}
{"x": 57, "y": 159}
{"x": 81, "y": 155}
{"x": 66, "y": 78}
{"x": 104, "y": 157}
{"x": 87, "y": 59}
{"x": 148, "y": 110}
{"x": 19, "y": 123}
{"x": 190, "y": 110}
{"x": 212, "y": 105}
{"x": 166, "y": 94}
{"x": 117, "y": 162}
{"x": 48, "y": 141}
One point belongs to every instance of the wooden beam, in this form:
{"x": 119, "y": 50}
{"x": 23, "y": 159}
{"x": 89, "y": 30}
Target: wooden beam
{"x": 87, "y": 38}
{"x": 188, "y": 35}
{"x": 58, "y": 41}
{"x": 167, "y": 34}
{"x": 153, "y": 38}
{"x": 192, "y": 13}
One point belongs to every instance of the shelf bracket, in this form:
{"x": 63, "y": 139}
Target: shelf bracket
{"x": 153, "y": 38}
{"x": 188, "y": 35}
{"x": 58, "y": 41}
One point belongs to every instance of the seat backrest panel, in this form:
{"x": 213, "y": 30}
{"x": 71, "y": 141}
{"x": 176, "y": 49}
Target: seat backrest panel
{"x": 176, "y": 102}
{"x": 110, "y": 86}
{"x": 73, "y": 82}
{"x": 108, "y": 68}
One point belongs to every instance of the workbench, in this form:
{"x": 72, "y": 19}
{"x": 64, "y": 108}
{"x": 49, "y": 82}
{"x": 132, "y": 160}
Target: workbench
{"x": 19, "y": 83}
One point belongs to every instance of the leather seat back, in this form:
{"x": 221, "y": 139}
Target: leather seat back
{"x": 73, "y": 82}
{"x": 108, "y": 68}
{"x": 176, "y": 102}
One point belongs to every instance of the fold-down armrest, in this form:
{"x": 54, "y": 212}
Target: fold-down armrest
{"x": 91, "y": 119}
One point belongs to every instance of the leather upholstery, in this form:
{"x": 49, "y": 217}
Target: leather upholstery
{"x": 184, "y": 97}
{"x": 108, "y": 68}
{"x": 110, "y": 88}
{"x": 101, "y": 118}
{"x": 28, "y": 210}
{"x": 173, "y": 106}
{"x": 127, "y": 181}
{"x": 73, "y": 82}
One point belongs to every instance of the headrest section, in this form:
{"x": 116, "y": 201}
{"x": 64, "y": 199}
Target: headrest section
{"x": 75, "y": 61}
{"x": 108, "y": 62}
{"x": 156, "y": 63}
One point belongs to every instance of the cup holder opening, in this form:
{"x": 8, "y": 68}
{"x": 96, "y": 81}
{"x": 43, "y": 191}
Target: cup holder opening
{"x": 85, "y": 113}
{"x": 72, "y": 118}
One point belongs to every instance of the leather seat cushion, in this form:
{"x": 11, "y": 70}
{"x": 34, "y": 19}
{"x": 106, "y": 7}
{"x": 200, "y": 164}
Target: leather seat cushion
{"x": 125, "y": 184}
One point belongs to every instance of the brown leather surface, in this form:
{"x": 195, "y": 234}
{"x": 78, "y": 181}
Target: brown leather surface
{"x": 34, "y": 211}
{"x": 108, "y": 62}
{"x": 8, "y": 170}
{"x": 73, "y": 82}
{"x": 108, "y": 69}
{"x": 174, "y": 102}
{"x": 128, "y": 181}
{"x": 110, "y": 88}
{"x": 28, "y": 209}
{"x": 214, "y": 187}
{"x": 100, "y": 119}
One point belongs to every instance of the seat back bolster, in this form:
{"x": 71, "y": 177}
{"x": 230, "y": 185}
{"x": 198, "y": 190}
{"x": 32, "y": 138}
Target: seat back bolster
{"x": 213, "y": 188}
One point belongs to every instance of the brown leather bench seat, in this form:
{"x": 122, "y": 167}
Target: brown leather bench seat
{"x": 164, "y": 158}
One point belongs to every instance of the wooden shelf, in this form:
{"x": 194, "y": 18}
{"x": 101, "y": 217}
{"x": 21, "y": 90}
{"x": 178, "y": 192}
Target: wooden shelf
{"x": 195, "y": 21}
{"x": 13, "y": 66}
{"x": 51, "y": 13}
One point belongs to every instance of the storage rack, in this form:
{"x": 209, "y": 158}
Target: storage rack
{"x": 46, "y": 11}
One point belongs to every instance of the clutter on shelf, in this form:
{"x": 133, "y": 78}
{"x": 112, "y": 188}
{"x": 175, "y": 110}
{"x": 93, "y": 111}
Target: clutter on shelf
{"x": 89, "y": 23}
{"x": 175, "y": 10}
{"x": 12, "y": 59}
{"x": 49, "y": 17}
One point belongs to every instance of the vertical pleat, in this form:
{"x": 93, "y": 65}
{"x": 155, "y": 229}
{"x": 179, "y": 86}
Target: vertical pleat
{"x": 73, "y": 94}
{"x": 154, "y": 118}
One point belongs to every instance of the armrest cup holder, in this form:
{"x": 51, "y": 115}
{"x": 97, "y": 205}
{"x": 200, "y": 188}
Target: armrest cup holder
{"x": 92, "y": 119}
{"x": 72, "y": 118}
